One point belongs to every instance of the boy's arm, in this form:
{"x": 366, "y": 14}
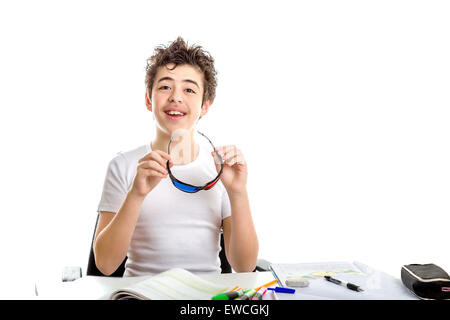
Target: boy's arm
{"x": 114, "y": 233}
{"x": 241, "y": 241}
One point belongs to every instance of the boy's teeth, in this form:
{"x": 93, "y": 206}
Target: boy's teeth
{"x": 175, "y": 113}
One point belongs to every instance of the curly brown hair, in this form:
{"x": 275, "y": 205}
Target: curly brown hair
{"x": 179, "y": 52}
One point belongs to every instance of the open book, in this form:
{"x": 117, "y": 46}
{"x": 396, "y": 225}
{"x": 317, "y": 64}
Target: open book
{"x": 174, "y": 284}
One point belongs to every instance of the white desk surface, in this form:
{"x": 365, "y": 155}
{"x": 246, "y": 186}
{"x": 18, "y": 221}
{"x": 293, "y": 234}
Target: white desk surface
{"x": 377, "y": 285}
{"x": 93, "y": 288}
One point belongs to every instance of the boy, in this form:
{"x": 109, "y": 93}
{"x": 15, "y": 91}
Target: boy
{"x": 143, "y": 214}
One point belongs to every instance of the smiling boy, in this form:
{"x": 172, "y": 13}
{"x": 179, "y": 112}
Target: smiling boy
{"x": 143, "y": 215}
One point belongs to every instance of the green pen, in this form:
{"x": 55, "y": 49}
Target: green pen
{"x": 228, "y": 295}
{"x": 247, "y": 294}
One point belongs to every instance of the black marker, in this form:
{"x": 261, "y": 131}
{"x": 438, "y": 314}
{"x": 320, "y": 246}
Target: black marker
{"x": 349, "y": 285}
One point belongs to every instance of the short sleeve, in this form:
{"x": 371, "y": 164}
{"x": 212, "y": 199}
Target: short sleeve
{"x": 226, "y": 206}
{"x": 115, "y": 187}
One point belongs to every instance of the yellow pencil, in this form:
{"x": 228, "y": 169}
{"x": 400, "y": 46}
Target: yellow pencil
{"x": 234, "y": 289}
{"x": 268, "y": 284}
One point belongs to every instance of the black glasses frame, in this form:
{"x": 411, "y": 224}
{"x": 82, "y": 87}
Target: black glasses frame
{"x": 189, "y": 188}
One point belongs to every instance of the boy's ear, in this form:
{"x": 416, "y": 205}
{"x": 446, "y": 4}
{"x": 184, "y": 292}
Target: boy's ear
{"x": 148, "y": 103}
{"x": 205, "y": 108}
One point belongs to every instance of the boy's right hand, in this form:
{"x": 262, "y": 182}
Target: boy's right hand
{"x": 150, "y": 170}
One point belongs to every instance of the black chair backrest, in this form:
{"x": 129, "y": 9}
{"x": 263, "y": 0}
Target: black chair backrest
{"x": 92, "y": 269}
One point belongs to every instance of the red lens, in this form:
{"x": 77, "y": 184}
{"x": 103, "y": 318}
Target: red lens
{"x": 209, "y": 186}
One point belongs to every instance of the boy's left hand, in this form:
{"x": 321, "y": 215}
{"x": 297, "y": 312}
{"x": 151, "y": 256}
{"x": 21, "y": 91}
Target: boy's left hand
{"x": 234, "y": 175}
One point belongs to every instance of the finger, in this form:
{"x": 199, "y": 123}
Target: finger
{"x": 233, "y": 153}
{"x": 164, "y": 155}
{"x": 153, "y": 166}
{"x": 225, "y": 149}
{"x": 216, "y": 158}
{"x": 153, "y": 173}
{"x": 156, "y": 156}
{"x": 236, "y": 159}
{"x": 221, "y": 151}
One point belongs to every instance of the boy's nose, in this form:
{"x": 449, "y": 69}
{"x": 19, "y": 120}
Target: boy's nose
{"x": 176, "y": 96}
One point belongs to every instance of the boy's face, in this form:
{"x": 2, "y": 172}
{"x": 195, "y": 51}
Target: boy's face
{"x": 176, "y": 100}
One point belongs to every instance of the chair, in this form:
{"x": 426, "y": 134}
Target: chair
{"x": 92, "y": 270}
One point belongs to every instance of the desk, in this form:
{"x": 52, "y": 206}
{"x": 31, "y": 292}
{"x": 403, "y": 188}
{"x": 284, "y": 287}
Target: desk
{"x": 94, "y": 288}
{"x": 98, "y": 288}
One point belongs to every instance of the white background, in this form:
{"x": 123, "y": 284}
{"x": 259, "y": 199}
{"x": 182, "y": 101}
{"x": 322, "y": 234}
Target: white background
{"x": 340, "y": 107}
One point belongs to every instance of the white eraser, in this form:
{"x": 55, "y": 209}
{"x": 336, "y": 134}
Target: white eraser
{"x": 71, "y": 273}
{"x": 297, "y": 282}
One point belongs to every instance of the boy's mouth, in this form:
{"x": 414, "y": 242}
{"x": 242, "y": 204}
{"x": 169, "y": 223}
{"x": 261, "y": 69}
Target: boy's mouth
{"x": 173, "y": 114}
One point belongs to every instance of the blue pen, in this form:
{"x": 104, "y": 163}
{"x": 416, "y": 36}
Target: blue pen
{"x": 282, "y": 290}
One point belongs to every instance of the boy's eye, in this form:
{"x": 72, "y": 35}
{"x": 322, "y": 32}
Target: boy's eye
{"x": 164, "y": 87}
{"x": 190, "y": 90}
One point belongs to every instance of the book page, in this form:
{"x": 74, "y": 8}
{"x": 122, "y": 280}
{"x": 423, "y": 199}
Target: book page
{"x": 174, "y": 284}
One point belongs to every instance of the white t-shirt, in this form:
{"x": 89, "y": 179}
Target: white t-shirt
{"x": 174, "y": 228}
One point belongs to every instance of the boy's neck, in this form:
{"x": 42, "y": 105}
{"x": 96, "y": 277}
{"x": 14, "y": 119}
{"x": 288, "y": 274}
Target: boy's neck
{"x": 182, "y": 152}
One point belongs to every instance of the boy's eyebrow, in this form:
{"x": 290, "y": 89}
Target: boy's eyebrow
{"x": 185, "y": 80}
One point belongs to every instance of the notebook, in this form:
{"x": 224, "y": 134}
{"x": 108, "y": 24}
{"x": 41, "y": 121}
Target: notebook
{"x": 174, "y": 284}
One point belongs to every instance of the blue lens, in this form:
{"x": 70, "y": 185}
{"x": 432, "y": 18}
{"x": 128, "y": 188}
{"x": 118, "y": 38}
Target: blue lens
{"x": 184, "y": 187}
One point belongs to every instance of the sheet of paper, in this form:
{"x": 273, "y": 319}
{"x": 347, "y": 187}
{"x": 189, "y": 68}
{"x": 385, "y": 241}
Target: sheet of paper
{"x": 376, "y": 284}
